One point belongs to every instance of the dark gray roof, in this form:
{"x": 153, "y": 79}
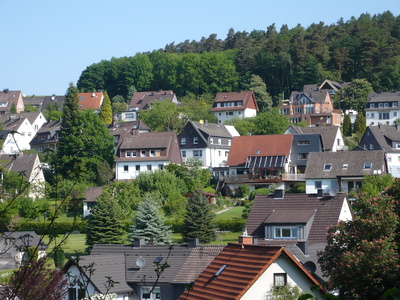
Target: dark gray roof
{"x": 328, "y": 134}
{"x": 290, "y": 216}
{"x": 23, "y": 238}
{"x": 384, "y": 96}
{"x": 344, "y": 164}
{"x": 384, "y": 136}
{"x": 212, "y": 129}
{"x": 23, "y": 164}
{"x": 31, "y": 116}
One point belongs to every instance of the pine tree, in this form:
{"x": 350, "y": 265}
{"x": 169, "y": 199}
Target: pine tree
{"x": 360, "y": 124}
{"x": 347, "y": 125}
{"x": 198, "y": 222}
{"x": 104, "y": 225}
{"x": 105, "y": 110}
{"x": 150, "y": 223}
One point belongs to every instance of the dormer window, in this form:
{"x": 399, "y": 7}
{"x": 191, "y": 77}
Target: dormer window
{"x": 143, "y": 153}
{"x": 285, "y": 232}
{"x": 394, "y": 104}
{"x": 152, "y": 153}
{"x": 372, "y": 105}
{"x": 380, "y": 105}
{"x": 183, "y": 141}
{"x": 327, "y": 166}
{"x": 196, "y": 140}
{"x": 367, "y": 165}
{"x": 386, "y": 104}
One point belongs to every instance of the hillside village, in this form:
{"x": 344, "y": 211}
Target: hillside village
{"x": 284, "y": 231}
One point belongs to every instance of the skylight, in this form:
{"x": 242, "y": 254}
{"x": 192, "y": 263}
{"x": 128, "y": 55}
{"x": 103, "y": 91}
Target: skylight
{"x": 327, "y": 166}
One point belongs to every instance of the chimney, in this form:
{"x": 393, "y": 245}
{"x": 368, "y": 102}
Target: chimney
{"x": 245, "y": 239}
{"x": 193, "y": 243}
{"x": 6, "y": 91}
{"x": 137, "y": 243}
{"x": 303, "y": 246}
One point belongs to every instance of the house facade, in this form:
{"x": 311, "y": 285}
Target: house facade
{"x": 10, "y": 100}
{"x": 248, "y": 272}
{"x": 386, "y": 138}
{"x": 343, "y": 170}
{"x": 47, "y": 137}
{"x": 17, "y": 134}
{"x": 231, "y": 105}
{"x": 382, "y": 108}
{"x": 208, "y": 142}
{"x": 146, "y": 152}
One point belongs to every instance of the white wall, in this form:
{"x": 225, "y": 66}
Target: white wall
{"x": 120, "y": 174}
{"x": 372, "y": 117}
{"x": 327, "y": 184}
{"x": 25, "y": 134}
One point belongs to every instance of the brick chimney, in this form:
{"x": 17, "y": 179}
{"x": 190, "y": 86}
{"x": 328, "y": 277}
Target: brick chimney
{"x": 245, "y": 238}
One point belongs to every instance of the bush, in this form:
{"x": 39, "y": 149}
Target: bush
{"x": 243, "y": 191}
{"x": 233, "y": 225}
{"x": 262, "y": 191}
{"x": 299, "y": 187}
{"x": 59, "y": 257}
{"x": 33, "y": 253}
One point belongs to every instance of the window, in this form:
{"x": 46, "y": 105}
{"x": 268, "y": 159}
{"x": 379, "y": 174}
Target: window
{"x": 148, "y": 167}
{"x": 383, "y": 116}
{"x": 128, "y": 153}
{"x": 147, "y": 294}
{"x": 371, "y": 146}
{"x": 161, "y": 167}
{"x": 394, "y": 104}
{"x": 367, "y": 165}
{"x": 372, "y": 105}
{"x": 183, "y": 141}
{"x": 219, "y": 152}
{"x": 345, "y": 166}
{"x": 143, "y": 153}
{"x": 134, "y": 154}
{"x": 115, "y": 139}
{"x": 302, "y": 155}
{"x": 152, "y": 153}
{"x": 196, "y": 140}
{"x": 137, "y": 168}
{"x": 198, "y": 153}
{"x": 398, "y": 158}
{"x": 229, "y": 113}
{"x": 395, "y": 114}
{"x": 226, "y": 153}
{"x": 327, "y": 166}
{"x": 285, "y": 232}
{"x": 386, "y": 104}
{"x": 219, "y": 141}
{"x": 389, "y": 158}
{"x": 211, "y": 141}
{"x": 41, "y": 148}
{"x": 318, "y": 184}
{"x": 183, "y": 153}
{"x": 303, "y": 142}
{"x": 372, "y": 115}
{"x": 126, "y": 168}
{"x": 229, "y": 142}
{"x": 280, "y": 279}
{"x": 380, "y": 105}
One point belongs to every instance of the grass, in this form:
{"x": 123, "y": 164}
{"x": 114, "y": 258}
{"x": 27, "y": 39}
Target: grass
{"x": 74, "y": 244}
{"x": 233, "y": 213}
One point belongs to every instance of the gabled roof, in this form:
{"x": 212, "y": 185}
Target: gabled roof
{"x": 384, "y": 136}
{"x": 142, "y": 100}
{"x": 239, "y": 266}
{"x": 153, "y": 140}
{"x": 31, "y": 116}
{"x": 326, "y": 213}
{"x": 23, "y": 238}
{"x": 92, "y": 193}
{"x": 12, "y": 122}
{"x": 330, "y": 84}
{"x": 328, "y": 134}
{"x": 258, "y": 145}
{"x": 384, "y": 96}
{"x": 48, "y": 100}
{"x": 90, "y": 100}
{"x": 213, "y": 129}
{"x": 181, "y": 270}
{"x": 249, "y": 101}
{"x": 8, "y": 98}
{"x": 51, "y": 128}
{"x": 344, "y": 164}
{"x": 24, "y": 164}
{"x": 103, "y": 266}
{"x": 128, "y": 127}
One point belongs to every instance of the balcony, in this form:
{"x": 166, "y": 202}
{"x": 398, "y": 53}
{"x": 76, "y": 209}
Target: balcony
{"x": 252, "y": 177}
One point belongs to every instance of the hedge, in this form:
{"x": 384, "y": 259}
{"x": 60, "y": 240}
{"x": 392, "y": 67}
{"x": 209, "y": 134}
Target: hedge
{"x": 56, "y": 228}
{"x": 233, "y": 225}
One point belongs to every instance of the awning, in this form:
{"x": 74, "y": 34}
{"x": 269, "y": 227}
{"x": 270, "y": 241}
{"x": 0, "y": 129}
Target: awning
{"x": 276, "y": 161}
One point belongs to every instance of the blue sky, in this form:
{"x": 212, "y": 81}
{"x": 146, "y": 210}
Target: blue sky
{"x": 45, "y": 44}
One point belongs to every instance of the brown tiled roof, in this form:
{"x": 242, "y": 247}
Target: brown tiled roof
{"x": 9, "y": 97}
{"x": 142, "y": 100}
{"x": 90, "y": 100}
{"x": 247, "y": 98}
{"x": 327, "y": 211}
{"x": 244, "y": 264}
{"x": 262, "y": 145}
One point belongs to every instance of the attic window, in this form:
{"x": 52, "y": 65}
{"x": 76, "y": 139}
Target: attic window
{"x": 345, "y": 166}
{"x": 367, "y": 165}
{"x": 327, "y": 166}
{"x": 81, "y": 98}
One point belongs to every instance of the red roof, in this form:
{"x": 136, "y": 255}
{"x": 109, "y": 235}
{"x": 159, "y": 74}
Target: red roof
{"x": 90, "y": 100}
{"x": 249, "y": 101}
{"x": 244, "y": 264}
{"x": 258, "y": 145}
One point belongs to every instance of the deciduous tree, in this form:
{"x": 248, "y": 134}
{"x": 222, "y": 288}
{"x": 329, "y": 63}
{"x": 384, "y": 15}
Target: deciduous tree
{"x": 270, "y": 122}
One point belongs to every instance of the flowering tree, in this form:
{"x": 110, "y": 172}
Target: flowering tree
{"x": 361, "y": 257}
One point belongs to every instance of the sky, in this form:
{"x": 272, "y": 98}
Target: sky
{"x": 46, "y": 44}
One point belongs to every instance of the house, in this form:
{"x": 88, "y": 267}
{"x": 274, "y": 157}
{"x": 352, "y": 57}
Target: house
{"x": 14, "y": 248}
{"x": 43, "y": 102}
{"x": 342, "y": 170}
{"x": 248, "y": 272}
{"x": 259, "y": 161}
{"x": 133, "y": 266}
{"x": 386, "y": 138}
{"x": 36, "y": 118}
{"x": 297, "y": 221}
{"x": 382, "y": 108}
{"x": 10, "y": 100}
{"x": 17, "y": 133}
{"x": 302, "y": 145}
{"x": 126, "y": 129}
{"x": 141, "y": 101}
{"x": 208, "y": 142}
{"x": 90, "y": 100}
{"x": 91, "y": 195}
{"x": 47, "y": 137}
{"x": 146, "y": 152}
{"x": 231, "y": 105}
{"x": 331, "y": 136}
{"x": 27, "y": 164}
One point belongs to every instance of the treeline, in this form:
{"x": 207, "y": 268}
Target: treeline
{"x": 367, "y": 47}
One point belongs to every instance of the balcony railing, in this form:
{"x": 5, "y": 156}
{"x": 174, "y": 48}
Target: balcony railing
{"x": 251, "y": 177}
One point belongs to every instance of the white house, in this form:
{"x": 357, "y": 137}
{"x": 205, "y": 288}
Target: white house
{"x": 382, "y": 108}
{"x": 17, "y": 133}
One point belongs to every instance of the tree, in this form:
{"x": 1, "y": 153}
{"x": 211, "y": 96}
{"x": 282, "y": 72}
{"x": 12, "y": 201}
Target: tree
{"x": 244, "y": 126}
{"x": 355, "y": 95}
{"x": 13, "y": 108}
{"x": 259, "y": 88}
{"x": 198, "y": 222}
{"x": 149, "y": 223}
{"x": 270, "y": 122}
{"x": 163, "y": 116}
{"x": 30, "y": 108}
{"x": 361, "y": 257}
{"x": 36, "y": 281}
{"x": 347, "y": 130}
{"x": 105, "y": 110}
{"x": 104, "y": 225}
{"x": 360, "y": 124}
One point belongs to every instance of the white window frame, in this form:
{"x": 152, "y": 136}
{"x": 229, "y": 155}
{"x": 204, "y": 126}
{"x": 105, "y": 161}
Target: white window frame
{"x": 183, "y": 141}
{"x": 195, "y": 140}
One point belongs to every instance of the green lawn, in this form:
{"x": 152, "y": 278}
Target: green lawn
{"x": 233, "y": 213}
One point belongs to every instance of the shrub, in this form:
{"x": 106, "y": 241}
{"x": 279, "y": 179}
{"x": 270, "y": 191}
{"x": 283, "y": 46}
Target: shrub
{"x": 233, "y": 225}
{"x": 262, "y": 191}
{"x": 243, "y": 191}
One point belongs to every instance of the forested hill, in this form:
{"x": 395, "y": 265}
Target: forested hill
{"x": 286, "y": 59}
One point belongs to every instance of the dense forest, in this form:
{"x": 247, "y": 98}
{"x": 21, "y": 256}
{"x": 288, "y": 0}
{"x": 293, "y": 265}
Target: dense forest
{"x": 367, "y": 47}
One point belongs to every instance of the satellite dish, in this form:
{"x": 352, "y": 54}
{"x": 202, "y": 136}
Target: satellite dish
{"x": 201, "y": 122}
{"x": 332, "y": 192}
{"x": 140, "y": 262}
{"x": 310, "y": 267}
